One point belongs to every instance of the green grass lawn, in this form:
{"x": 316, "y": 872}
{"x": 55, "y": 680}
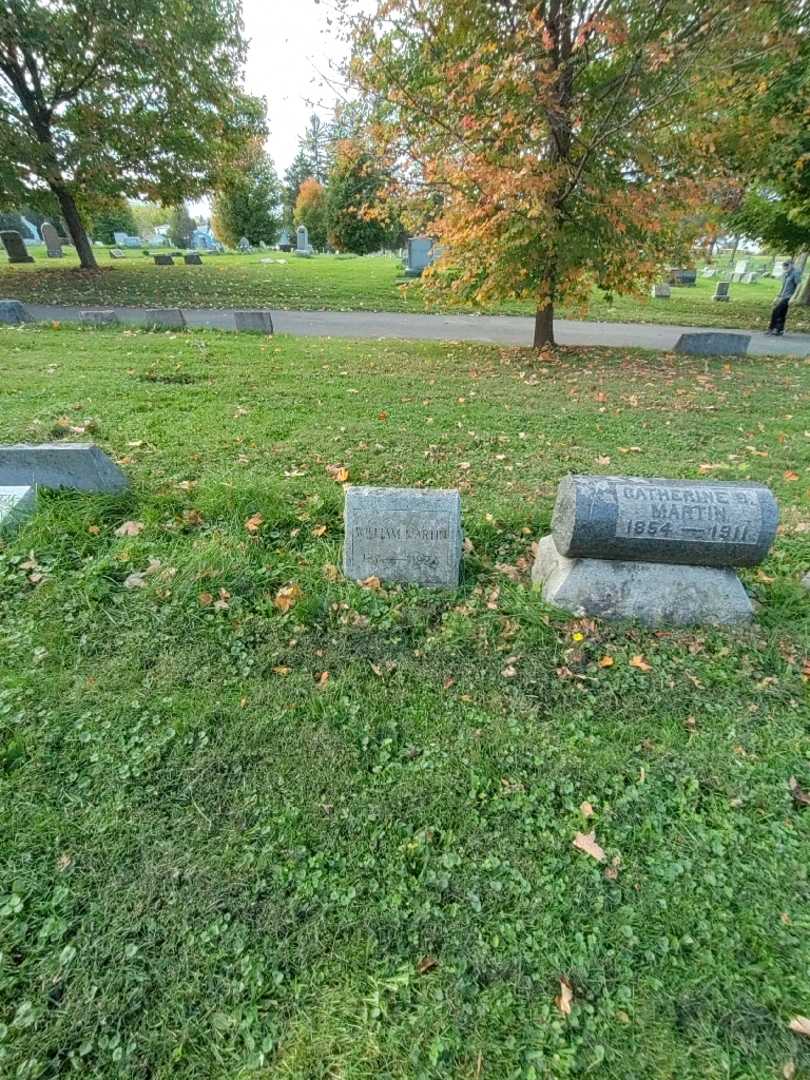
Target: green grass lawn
{"x": 220, "y": 861}
{"x": 341, "y": 283}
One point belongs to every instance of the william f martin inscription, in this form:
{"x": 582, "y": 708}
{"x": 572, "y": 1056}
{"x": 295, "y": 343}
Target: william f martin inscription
{"x": 403, "y": 534}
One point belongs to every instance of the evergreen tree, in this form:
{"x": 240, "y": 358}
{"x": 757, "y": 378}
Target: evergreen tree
{"x": 310, "y": 210}
{"x": 117, "y": 217}
{"x": 299, "y": 171}
{"x": 358, "y": 218}
{"x": 181, "y": 226}
{"x": 249, "y": 203}
{"x": 316, "y": 144}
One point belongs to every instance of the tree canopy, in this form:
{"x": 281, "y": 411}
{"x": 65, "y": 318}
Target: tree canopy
{"x": 359, "y": 217}
{"x": 310, "y": 210}
{"x": 100, "y": 98}
{"x": 549, "y": 145}
{"x": 248, "y": 204}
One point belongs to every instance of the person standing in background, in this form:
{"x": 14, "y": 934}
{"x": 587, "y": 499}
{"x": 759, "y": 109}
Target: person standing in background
{"x": 790, "y": 283}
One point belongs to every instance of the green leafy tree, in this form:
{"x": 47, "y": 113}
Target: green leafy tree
{"x": 358, "y": 216}
{"x": 556, "y": 137}
{"x": 769, "y": 218}
{"x": 310, "y": 210}
{"x": 181, "y": 226}
{"x": 316, "y": 144}
{"x": 117, "y": 217}
{"x": 100, "y": 98}
{"x": 249, "y": 204}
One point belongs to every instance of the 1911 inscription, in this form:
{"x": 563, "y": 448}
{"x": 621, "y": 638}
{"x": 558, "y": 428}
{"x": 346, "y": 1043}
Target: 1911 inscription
{"x": 701, "y": 514}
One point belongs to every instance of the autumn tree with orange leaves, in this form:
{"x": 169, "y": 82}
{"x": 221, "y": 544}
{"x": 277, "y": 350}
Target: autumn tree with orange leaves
{"x": 551, "y": 139}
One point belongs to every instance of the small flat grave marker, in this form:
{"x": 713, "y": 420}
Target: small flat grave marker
{"x": 403, "y": 534}
{"x": 713, "y": 343}
{"x": 99, "y": 318}
{"x": 721, "y": 291}
{"x": 13, "y": 312}
{"x": 81, "y": 466}
{"x": 257, "y": 322}
{"x": 16, "y": 504}
{"x": 165, "y": 318}
{"x": 661, "y": 291}
{"x": 163, "y": 260}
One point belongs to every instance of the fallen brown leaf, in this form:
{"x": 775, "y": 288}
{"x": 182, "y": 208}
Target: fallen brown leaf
{"x": 372, "y": 582}
{"x": 330, "y": 572}
{"x": 587, "y": 842}
{"x": 606, "y": 661}
{"x": 800, "y": 796}
{"x": 205, "y": 599}
{"x": 254, "y": 523}
{"x": 130, "y": 528}
{"x": 800, "y": 1025}
{"x": 586, "y": 809}
{"x": 565, "y": 998}
{"x": 287, "y": 596}
{"x": 322, "y": 679}
{"x": 426, "y": 964}
{"x": 640, "y": 663}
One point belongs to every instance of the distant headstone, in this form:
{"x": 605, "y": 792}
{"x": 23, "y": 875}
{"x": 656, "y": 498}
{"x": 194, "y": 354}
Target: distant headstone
{"x": 661, "y": 291}
{"x": 750, "y": 278}
{"x": 52, "y": 242}
{"x": 124, "y": 240}
{"x": 806, "y": 581}
{"x": 244, "y": 245}
{"x": 15, "y": 247}
{"x": 721, "y": 291}
{"x": 163, "y": 260}
{"x": 13, "y": 312}
{"x": 192, "y": 259}
{"x": 403, "y": 534}
{"x": 81, "y": 466}
{"x": 710, "y": 272}
{"x": 681, "y": 276}
{"x": 99, "y": 318}
{"x": 165, "y": 318}
{"x": 419, "y": 256}
{"x": 117, "y": 253}
{"x": 658, "y": 551}
{"x": 16, "y": 504}
{"x": 713, "y": 343}
{"x": 302, "y": 241}
{"x": 258, "y": 322}
{"x": 741, "y": 267}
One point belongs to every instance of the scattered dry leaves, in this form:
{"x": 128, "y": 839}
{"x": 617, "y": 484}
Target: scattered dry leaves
{"x": 254, "y": 523}
{"x": 565, "y": 998}
{"x": 606, "y": 661}
{"x": 426, "y": 964}
{"x": 640, "y": 663}
{"x": 800, "y": 1025}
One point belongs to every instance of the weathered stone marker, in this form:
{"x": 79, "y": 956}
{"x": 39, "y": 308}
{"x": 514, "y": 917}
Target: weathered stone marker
{"x": 99, "y": 318}
{"x": 52, "y": 241}
{"x": 259, "y": 322}
{"x": 163, "y": 260}
{"x": 695, "y": 522}
{"x": 192, "y": 259}
{"x": 713, "y": 343}
{"x": 661, "y": 291}
{"x": 403, "y": 534}
{"x": 15, "y": 247}
{"x": 81, "y": 466}
{"x": 16, "y": 504}
{"x": 721, "y": 291}
{"x": 13, "y": 313}
{"x": 659, "y": 551}
{"x": 165, "y": 318}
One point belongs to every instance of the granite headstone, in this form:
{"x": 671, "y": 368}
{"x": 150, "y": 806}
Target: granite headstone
{"x": 16, "y": 503}
{"x": 713, "y": 343}
{"x": 81, "y": 466}
{"x": 721, "y": 291}
{"x": 13, "y": 312}
{"x": 15, "y": 247}
{"x": 403, "y": 534}
{"x": 164, "y": 318}
{"x": 259, "y": 322}
{"x": 52, "y": 242}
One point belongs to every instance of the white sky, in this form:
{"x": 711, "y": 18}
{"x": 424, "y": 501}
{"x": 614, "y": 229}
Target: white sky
{"x": 293, "y": 52}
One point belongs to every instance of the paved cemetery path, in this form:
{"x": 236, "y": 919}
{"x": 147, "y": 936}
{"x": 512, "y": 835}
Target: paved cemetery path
{"x": 500, "y": 329}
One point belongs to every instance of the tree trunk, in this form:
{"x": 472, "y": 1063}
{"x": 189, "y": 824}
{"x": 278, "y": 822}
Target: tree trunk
{"x": 804, "y": 293}
{"x": 544, "y": 326}
{"x": 75, "y": 227}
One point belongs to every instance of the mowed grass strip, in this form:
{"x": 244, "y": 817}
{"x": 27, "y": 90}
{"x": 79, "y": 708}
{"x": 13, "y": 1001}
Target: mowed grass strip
{"x": 349, "y": 283}
{"x": 260, "y": 820}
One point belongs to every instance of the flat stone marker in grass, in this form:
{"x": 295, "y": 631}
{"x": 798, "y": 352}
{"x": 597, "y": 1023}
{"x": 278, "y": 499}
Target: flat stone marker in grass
{"x": 658, "y": 551}
{"x": 17, "y": 502}
{"x": 99, "y": 318}
{"x": 403, "y": 534}
{"x": 661, "y": 291}
{"x": 165, "y": 318}
{"x": 13, "y": 313}
{"x": 79, "y": 466}
{"x": 192, "y": 259}
{"x": 713, "y": 343}
{"x": 163, "y": 260}
{"x": 257, "y": 322}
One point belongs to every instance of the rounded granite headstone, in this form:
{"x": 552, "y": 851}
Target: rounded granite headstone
{"x": 692, "y": 522}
